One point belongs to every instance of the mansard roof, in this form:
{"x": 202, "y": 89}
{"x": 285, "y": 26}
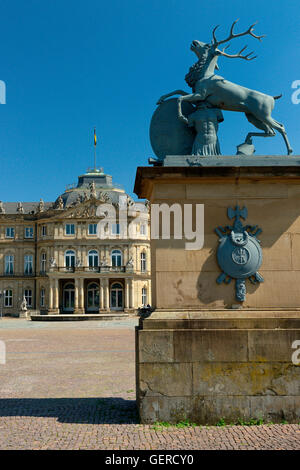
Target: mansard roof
{"x": 29, "y": 207}
{"x": 103, "y": 186}
{"x": 94, "y": 184}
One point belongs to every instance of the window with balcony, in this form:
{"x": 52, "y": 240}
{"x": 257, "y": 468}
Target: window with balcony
{"x": 70, "y": 229}
{"x": 116, "y": 258}
{"x": 28, "y": 232}
{"x": 9, "y": 232}
{"x": 8, "y": 298}
{"x": 9, "y": 264}
{"x": 93, "y": 257}
{"x": 92, "y": 230}
{"x": 28, "y": 297}
{"x": 70, "y": 259}
{"x": 28, "y": 264}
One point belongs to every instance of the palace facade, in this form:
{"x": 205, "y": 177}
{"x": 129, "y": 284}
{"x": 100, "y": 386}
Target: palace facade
{"x": 83, "y": 253}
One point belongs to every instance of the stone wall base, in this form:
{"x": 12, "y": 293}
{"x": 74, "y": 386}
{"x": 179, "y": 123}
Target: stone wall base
{"x": 205, "y": 366}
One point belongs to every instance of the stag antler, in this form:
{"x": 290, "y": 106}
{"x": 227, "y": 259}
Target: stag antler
{"x": 237, "y": 56}
{"x": 232, "y": 35}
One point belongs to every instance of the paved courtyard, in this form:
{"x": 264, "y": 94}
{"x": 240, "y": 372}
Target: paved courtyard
{"x": 71, "y": 385}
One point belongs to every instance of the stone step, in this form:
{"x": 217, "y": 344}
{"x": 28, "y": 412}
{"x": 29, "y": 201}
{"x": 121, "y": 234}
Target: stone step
{"x": 83, "y": 317}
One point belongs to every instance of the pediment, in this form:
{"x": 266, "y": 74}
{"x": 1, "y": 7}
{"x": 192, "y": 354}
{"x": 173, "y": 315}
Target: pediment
{"x": 82, "y": 210}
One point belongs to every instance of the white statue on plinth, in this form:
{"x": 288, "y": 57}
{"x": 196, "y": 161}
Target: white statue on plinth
{"x": 23, "y": 308}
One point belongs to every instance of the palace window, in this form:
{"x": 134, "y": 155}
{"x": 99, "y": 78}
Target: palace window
{"x": 28, "y": 264}
{"x": 143, "y": 262}
{"x": 116, "y": 296}
{"x": 93, "y": 300}
{"x": 9, "y": 264}
{"x": 43, "y": 262}
{"x": 115, "y": 229}
{"x": 9, "y": 232}
{"x": 28, "y": 297}
{"x": 44, "y": 230}
{"x": 116, "y": 258}
{"x": 42, "y": 298}
{"x": 28, "y": 232}
{"x": 93, "y": 258}
{"x": 92, "y": 229}
{"x": 8, "y": 298}
{"x": 144, "y": 296}
{"x": 143, "y": 229}
{"x": 70, "y": 229}
{"x": 70, "y": 259}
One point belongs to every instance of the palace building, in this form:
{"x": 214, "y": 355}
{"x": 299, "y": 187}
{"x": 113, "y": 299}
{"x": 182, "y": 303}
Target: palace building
{"x": 83, "y": 253}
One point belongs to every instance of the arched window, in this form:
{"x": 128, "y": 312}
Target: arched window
{"x": 70, "y": 258}
{"x": 69, "y": 297}
{"x": 116, "y": 296}
{"x": 116, "y": 258}
{"x": 9, "y": 264}
{"x": 28, "y": 297}
{"x": 143, "y": 262}
{"x": 93, "y": 297}
{"x": 93, "y": 258}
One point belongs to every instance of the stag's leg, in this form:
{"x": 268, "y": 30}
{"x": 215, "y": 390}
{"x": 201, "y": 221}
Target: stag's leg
{"x": 281, "y": 129}
{"x": 260, "y": 125}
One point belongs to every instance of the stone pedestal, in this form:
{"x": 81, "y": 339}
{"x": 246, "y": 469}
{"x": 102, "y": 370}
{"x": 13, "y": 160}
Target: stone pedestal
{"x": 53, "y": 311}
{"x": 202, "y": 355}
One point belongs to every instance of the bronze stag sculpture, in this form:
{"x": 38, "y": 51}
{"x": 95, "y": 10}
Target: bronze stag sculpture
{"x": 223, "y": 94}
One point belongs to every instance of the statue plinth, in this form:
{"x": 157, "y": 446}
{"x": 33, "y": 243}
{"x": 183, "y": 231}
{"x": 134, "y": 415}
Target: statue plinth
{"x": 203, "y": 355}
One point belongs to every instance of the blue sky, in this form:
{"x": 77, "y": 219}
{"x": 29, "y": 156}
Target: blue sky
{"x": 72, "y": 65}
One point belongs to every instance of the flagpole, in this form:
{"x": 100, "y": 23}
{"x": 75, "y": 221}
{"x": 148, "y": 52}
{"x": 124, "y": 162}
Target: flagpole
{"x": 95, "y": 143}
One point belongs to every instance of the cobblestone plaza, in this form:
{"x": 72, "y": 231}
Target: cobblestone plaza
{"x": 71, "y": 385}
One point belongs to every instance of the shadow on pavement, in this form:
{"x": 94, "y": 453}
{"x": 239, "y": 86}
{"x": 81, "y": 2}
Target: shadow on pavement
{"x": 73, "y": 410}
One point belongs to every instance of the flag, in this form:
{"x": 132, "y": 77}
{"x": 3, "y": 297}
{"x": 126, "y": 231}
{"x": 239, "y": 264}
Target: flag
{"x": 95, "y": 137}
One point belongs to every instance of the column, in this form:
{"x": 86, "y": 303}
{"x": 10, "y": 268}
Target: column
{"x": 126, "y": 305}
{"x": 101, "y": 299}
{"x": 131, "y": 294}
{"x": 81, "y": 297}
{"x": 50, "y": 294}
{"x": 76, "y": 297}
{"x": 106, "y": 293}
{"x": 55, "y": 306}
